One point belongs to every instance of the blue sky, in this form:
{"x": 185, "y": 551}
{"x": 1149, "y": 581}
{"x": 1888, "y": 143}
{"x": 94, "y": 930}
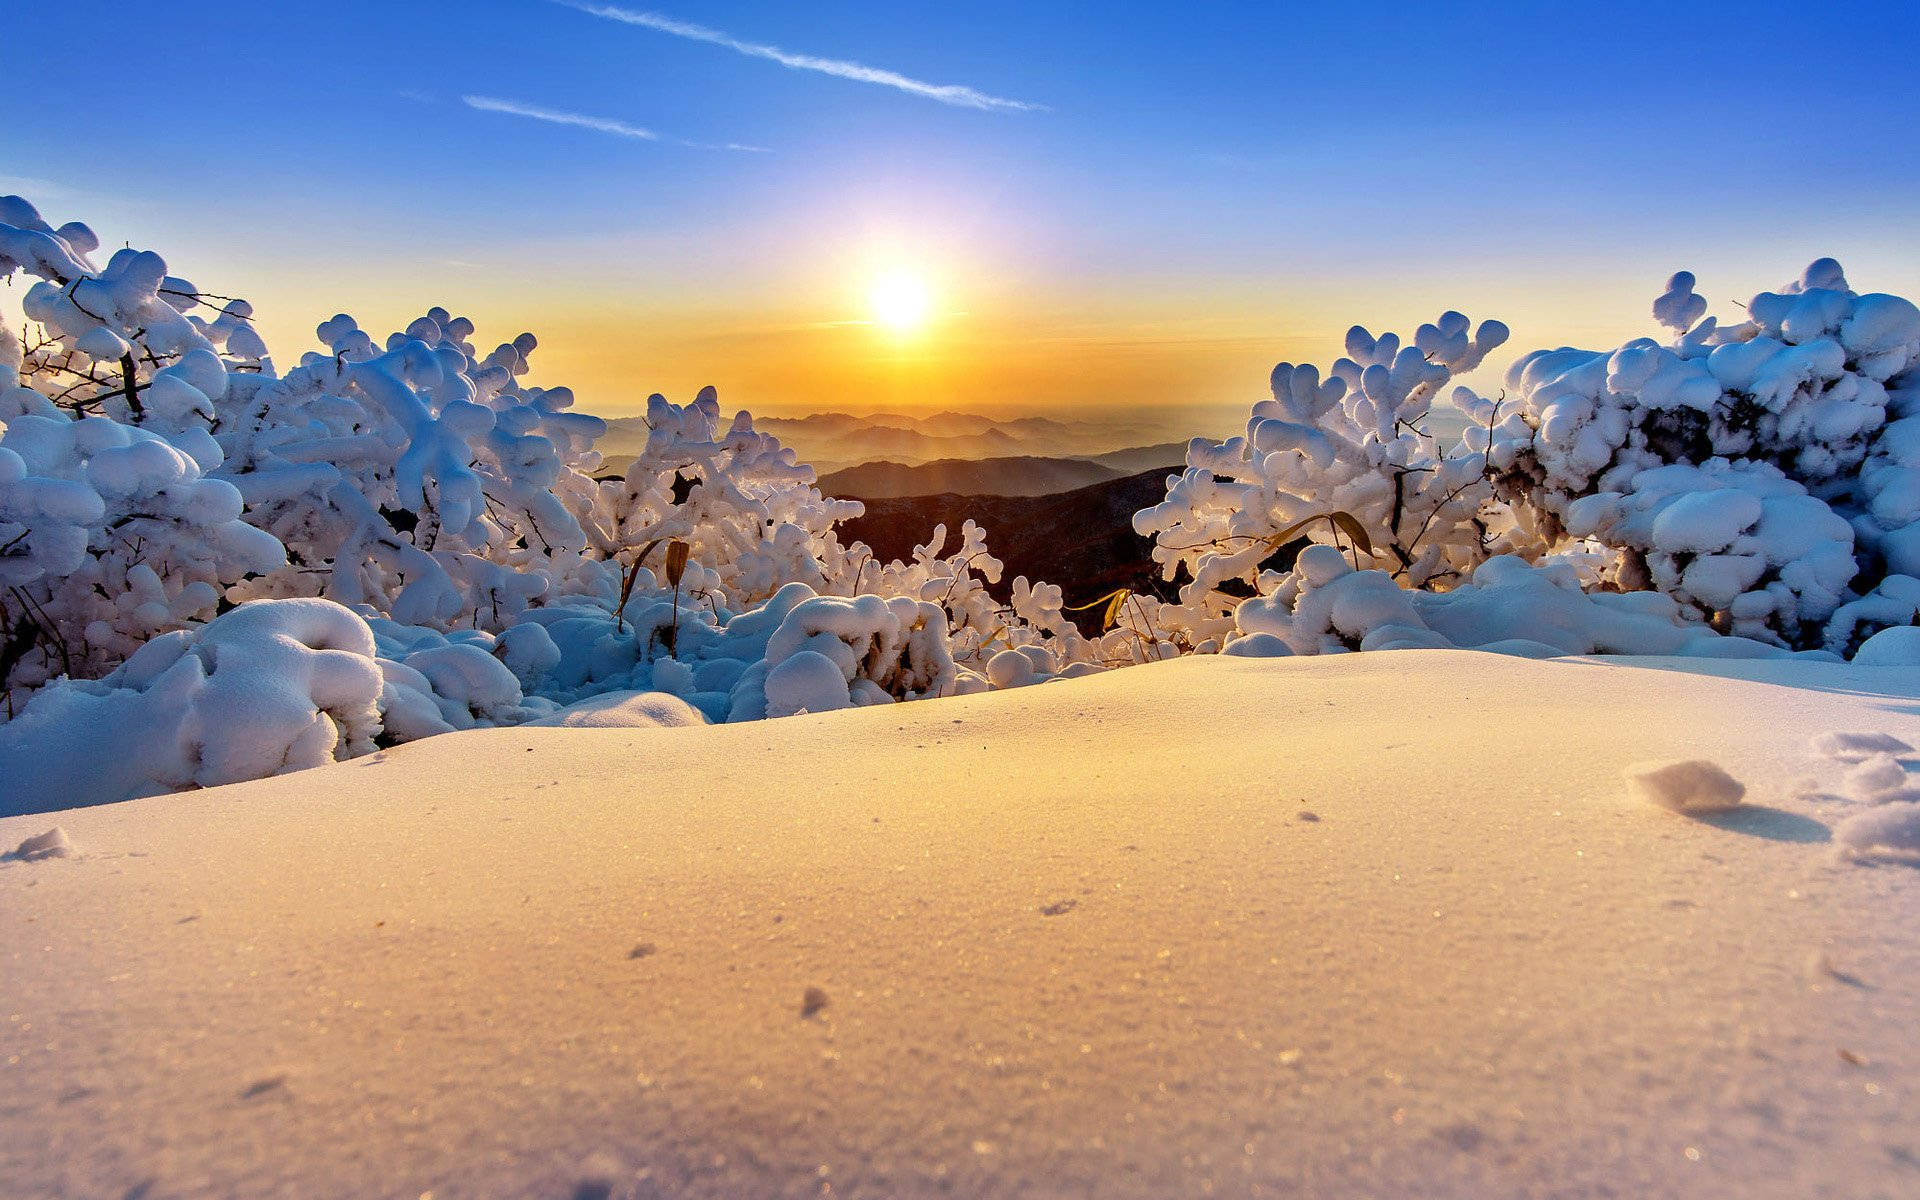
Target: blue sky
{"x": 1248, "y": 177}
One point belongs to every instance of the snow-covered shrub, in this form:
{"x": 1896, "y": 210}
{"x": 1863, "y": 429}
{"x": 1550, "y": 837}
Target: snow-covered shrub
{"x": 269, "y": 686}
{"x": 956, "y": 583}
{"x": 1762, "y": 478}
{"x": 1348, "y": 459}
{"x": 115, "y": 536}
{"x": 1760, "y": 473}
{"x": 736, "y": 496}
{"x": 831, "y": 652}
{"x": 1508, "y": 605}
{"x": 114, "y": 526}
{"x": 419, "y": 480}
{"x": 266, "y": 688}
{"x": 156, "y": 471}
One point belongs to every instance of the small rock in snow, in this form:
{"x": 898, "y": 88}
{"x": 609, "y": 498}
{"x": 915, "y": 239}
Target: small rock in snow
{"x": 1856, "y": 747}
{"x": 812, "y": 1002}
{"x": 1058, "y": 907}
{"x": 642, "y": 950}
{"x": 1692, "y": 787}
{"x": 51, "y": 844}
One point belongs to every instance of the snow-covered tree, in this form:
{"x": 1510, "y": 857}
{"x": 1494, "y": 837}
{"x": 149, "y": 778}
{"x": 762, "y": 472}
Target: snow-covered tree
{"x": 1762, "y": 478}
{"x": 1348, "y": 459}
{"x": 161, "y": 480}
{"x": 1761, "y": 473}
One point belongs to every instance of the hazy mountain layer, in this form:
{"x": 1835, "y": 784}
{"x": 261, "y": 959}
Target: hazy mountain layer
{"x": 1021, "y": 476}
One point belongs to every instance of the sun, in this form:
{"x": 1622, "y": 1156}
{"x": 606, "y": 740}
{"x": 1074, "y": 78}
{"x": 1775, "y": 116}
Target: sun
{"x": 900, "y": 301}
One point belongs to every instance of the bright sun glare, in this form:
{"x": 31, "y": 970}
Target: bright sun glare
{"x": 900, "y": 302}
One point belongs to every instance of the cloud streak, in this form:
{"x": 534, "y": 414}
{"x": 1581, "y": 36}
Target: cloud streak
{"x": 946, "y": 93}
{"x": 557, "y": 117}
{"x": 607, "y": 125}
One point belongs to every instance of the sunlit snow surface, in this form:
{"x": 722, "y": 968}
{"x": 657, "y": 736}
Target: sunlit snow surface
{"x": 1383, "y": 924}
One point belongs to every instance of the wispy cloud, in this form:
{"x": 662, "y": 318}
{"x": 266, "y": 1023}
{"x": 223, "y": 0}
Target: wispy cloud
{"x": 557, "y": 117}
{"x": 946, "y": 93}
{"x": 598, "y": 124}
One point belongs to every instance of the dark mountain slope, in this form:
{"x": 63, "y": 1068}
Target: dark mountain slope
{"x": 1082, "y": 540}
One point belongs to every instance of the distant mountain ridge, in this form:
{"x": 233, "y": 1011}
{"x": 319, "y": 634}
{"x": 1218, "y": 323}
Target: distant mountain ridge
{"x": 1023, "y": 475}
{"x": 1135, "y": 459}
{"x": 834, "y": 440}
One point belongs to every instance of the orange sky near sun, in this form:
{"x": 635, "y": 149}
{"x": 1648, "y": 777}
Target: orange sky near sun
{"x": 985, "y": 347}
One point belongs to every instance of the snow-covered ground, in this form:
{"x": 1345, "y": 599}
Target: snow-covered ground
{"x": 1385, "y": 924}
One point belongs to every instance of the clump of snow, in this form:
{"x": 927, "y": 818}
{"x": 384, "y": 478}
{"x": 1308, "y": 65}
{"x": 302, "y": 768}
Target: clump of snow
{"x": 1857, "y": 746}
{"x": 1875, "y": 779}
{"x": 54, "y": 843}
{"x": 1886, "y": 831}
{"x": 1695, "y": 787}
{"x": 806, "y": 681}
{"x": 1506, "y": 606}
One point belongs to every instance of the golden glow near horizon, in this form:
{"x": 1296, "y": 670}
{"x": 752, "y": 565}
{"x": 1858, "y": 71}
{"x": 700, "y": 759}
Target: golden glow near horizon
{"x": 900, "y": 301}
{"x": 917, "y": 320}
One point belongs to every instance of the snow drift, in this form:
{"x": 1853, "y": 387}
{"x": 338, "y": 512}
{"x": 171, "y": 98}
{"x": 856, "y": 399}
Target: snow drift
{"x": 1078, "y": 939}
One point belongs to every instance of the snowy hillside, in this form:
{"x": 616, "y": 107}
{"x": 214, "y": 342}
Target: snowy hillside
{"x": 1384, "y": 924}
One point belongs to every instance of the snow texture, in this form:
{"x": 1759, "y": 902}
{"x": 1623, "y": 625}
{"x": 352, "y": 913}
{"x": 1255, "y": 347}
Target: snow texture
{"x": 536, "y": 962}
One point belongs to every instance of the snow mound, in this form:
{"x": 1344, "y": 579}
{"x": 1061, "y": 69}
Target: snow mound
{"x": 626, "y": 710}
{"x": 1895, "y": 646}
{"x": 1694, "y": 787}
{"x": 806, "y": 681}
{"x": 268, "y": 687}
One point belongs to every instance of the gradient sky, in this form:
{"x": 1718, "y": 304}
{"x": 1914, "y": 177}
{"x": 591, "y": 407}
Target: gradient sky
{"x": 1115, "y": 204}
